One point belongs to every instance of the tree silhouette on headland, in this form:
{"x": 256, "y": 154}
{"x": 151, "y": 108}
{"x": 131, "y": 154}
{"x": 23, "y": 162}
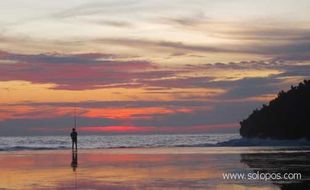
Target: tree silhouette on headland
{"x": 285, "y": 117}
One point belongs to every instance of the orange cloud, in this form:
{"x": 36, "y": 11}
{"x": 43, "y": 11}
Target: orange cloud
{"x": 42, "y": 111}
{"x": 33, "y": 112}
{"x": 117, "y": 129}
{"x": 126, "y": 113}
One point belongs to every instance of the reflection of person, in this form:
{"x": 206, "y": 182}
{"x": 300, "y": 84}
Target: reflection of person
{"x": 74, "y": 138}
{"x": 74, "y": 162}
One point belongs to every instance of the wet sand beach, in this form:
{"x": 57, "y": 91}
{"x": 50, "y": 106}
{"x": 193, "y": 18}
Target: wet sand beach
{"x": 152, "y": 168}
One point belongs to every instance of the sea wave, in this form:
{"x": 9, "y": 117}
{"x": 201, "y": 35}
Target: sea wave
{"x": 142, "y": 141}
{"x": 17, "y": 148}
{"x": 264, "y": 142}
{"x": 229, "y": 143}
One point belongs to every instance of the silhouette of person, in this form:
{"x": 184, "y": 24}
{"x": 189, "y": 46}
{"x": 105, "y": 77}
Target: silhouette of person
{"x": 74, "y": 138}
{"x": 74, "y": 162}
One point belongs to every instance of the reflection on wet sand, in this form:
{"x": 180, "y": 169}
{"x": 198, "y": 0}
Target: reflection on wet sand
{"x": 74, "y": 165}
{"x": 124, "y": 170}
{"x": 74, "y": 161}
{"x": 282, "y": 163}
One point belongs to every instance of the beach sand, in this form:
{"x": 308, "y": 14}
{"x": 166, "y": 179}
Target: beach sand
{"x": 151, "y": 168}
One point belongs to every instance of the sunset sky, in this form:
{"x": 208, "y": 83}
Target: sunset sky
{"x": 146, "y": 66}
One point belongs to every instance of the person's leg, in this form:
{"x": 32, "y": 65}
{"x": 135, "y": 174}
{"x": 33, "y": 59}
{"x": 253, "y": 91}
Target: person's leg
{"x": 72, "y": 145}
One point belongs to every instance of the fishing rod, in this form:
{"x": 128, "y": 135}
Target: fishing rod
{"x": 75, "y": 118}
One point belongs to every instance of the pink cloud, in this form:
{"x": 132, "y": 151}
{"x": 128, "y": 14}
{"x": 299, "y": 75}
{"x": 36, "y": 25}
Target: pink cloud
{"x": 118, "y": 129}
{"x": 76, "y": 71}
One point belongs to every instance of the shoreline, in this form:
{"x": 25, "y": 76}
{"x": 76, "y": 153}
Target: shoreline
{"x": 174, "y": 150}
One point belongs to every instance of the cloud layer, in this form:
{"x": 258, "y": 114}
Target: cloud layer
{"x": 146, "y": 66}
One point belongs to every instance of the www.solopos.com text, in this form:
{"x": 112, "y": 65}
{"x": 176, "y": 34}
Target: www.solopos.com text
{"x": 261, "y": 176}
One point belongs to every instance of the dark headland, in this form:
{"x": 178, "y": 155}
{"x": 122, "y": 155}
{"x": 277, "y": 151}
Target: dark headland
{"x": 285, "y": 117}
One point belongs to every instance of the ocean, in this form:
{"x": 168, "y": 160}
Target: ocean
{"x": 138, "y": 141}
{"x": 172, "y": 162}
